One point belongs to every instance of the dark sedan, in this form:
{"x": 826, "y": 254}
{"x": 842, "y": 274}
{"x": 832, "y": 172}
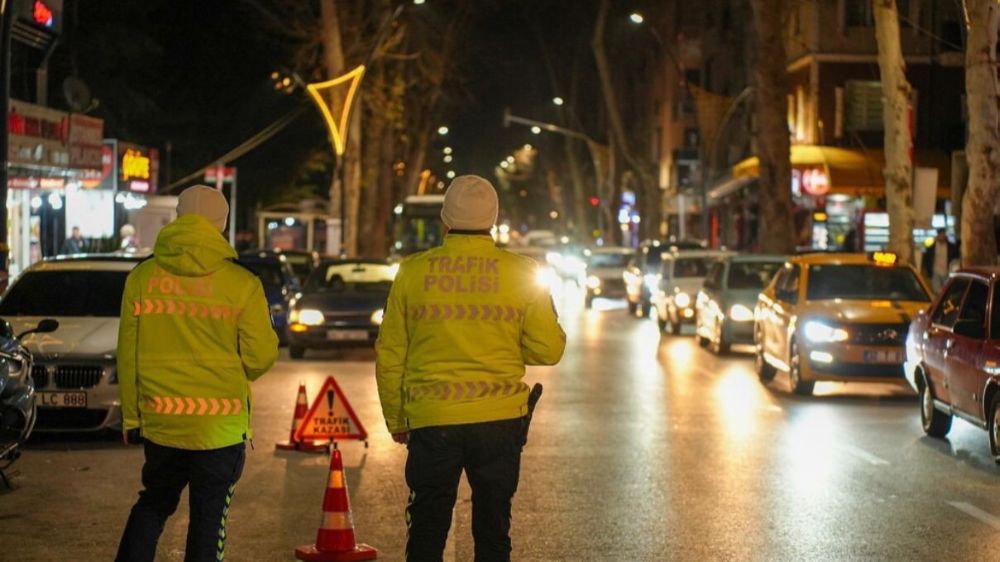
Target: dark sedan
{"x": 280, "y": 287}
{"x": 341, "y": 306}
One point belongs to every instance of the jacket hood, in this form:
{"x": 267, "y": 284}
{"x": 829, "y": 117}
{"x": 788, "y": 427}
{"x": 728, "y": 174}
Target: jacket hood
{"x": 191, "y": 246}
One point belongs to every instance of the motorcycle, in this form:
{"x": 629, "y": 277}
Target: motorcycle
{"x": 17, "y": 392}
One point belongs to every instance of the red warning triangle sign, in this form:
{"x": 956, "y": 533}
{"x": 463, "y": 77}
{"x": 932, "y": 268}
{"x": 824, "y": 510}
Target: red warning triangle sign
{"x": 331, "y": 417}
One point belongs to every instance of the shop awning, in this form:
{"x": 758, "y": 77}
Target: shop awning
{"x": 853, "y": 172}
{"x": 728, "y": 186}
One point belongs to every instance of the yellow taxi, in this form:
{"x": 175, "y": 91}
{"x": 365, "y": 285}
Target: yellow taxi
{"x": 837, "y": 317}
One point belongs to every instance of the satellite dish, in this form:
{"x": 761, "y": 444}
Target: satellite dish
{"x": 77, "y": 94}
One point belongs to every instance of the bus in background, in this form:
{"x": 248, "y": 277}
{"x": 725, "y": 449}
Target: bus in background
{"x": 417, "y": 224}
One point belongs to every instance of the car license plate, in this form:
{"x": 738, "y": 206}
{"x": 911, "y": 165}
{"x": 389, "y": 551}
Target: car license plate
{"x": 62, "y": 399}
{"x": 883, "y": 357}
{"x": 347, "y": 335}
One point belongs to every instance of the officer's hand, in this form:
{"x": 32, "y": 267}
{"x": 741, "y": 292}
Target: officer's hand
{"x": 131, "y": 437}
{"x": 402, "y": 437}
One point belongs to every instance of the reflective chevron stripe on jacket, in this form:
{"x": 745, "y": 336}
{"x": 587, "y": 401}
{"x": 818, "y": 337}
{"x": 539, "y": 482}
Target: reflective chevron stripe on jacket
{"x": 465, "y": 390}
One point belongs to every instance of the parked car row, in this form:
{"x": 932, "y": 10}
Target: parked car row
{"x": 836, "y": 317}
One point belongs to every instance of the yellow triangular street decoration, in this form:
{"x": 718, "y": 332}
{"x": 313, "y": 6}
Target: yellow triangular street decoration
{"x": 337, "y": 125}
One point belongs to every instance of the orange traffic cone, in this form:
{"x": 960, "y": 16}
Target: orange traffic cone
{"x": 335, "y": 540}
{"x": 301, "y": 407}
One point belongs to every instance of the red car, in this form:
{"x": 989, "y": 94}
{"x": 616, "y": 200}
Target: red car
{"x": 953, "y": 355}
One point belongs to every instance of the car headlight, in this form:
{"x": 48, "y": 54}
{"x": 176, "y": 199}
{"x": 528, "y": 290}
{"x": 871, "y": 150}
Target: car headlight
{"x": 545, "y": 277}
{"x": 593, "y": 282}
{"x": 308, "y": 317}
{"x": 651, "y": 280}
{"x": 682, "y": 300}
{"x": 818, "y": 332}
{"x": 740, "y": 313}
{"x": 377, "y": 316}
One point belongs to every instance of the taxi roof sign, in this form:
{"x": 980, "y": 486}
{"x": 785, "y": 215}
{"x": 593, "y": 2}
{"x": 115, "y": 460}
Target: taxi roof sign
{"x": 883, "y": 258}
{"x": 331, "y": 417}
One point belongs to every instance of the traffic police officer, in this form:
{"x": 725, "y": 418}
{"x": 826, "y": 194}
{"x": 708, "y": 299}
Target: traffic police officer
{"x": 461, "y": 323}
{"x": 195, "y": 330}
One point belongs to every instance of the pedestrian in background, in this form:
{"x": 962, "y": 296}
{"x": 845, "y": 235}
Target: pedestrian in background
{"x": 937, "y": 259}
{"x": 73, "y": 244}
{"x": 195, "y": 331}
{"x": 461, "y": 323}
{"x": 129, "y": 242}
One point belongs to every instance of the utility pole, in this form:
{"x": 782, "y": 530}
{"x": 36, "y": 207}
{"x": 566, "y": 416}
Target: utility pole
{"x": 6, "y": 22}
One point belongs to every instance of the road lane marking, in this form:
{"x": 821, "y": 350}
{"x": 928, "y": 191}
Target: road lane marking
{"x": 973, "y": 511}
{"x": 864, "y": 455}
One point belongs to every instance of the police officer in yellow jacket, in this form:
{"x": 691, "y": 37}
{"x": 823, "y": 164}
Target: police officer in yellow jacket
{"x": 195, "y": 330}
{"x": 461, "y": 323}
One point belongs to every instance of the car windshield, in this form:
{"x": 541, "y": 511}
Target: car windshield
{"x": 864, "y": 282}
{"x": 608, "y": 260}
{"x": 751, "y": 275}
{"x": 269, "y": 271}
{"x": 66, "y": 293}
{"x": 351, "y": 276}
{"x": 691, "y": 267}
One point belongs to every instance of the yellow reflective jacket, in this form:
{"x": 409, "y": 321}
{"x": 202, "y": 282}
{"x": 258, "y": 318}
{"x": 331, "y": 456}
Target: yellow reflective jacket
{"x": 195, "y": 330}
{"x": 461, "y": 323}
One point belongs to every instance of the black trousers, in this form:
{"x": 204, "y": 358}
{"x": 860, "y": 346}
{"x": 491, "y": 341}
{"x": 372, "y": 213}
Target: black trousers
{"x": 490, "y": 455}
{"x": 210, "y": 477}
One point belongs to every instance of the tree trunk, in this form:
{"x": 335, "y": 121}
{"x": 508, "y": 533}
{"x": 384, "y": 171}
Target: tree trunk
{"x": 333, "y": 65}
{"x": 777, "y": 230}
{"x": 896, "y": 117}
{"x": 979, "y": 245}
{"x": 352, "y": 179}
{"x": 646, "y": 184}
{"x": 374, "y": 169}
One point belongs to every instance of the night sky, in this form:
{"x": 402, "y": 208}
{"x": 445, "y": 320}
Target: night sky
{"x": 197, "y": 75}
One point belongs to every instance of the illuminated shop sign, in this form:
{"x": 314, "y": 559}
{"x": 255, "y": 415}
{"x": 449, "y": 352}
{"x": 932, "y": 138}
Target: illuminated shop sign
{"x": 138, "y": 167}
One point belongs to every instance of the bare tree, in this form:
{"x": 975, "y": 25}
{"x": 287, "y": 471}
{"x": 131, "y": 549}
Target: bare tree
{"x": 641, "y": 169}
{"x": 979, "y": 245}
{"x": 898, "y": 170}
{"x": 773, "y": 145}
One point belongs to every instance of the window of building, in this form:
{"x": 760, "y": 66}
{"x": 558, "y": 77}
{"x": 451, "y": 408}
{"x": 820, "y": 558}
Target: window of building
{"x": 863, "y": 105}
{"x": 858, "y": 13}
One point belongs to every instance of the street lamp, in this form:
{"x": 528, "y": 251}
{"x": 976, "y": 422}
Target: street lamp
{"x": 536, "y": 130}
{"x": 636, "y": 18}
{"x": 451, "y": 174}
{"x": 558, "y": 100}
{"x": 443, "y": 130}
{"x": 447, "y": 150}
{"x": 418, "y": 2}
{"x": 447, "y": 158}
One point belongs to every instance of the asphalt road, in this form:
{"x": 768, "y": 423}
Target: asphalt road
{"x": 642, "y": 448}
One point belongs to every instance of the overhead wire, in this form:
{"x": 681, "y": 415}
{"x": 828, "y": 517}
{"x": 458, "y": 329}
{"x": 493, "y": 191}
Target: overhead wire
{"x": 246, "y": 146}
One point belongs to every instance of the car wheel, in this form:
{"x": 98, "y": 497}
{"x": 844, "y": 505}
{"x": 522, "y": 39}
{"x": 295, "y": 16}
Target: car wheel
{"x": 661, "y": 321}
{"x": 647, "y": 307}
{"x": 765, "y": 371}
{"x": 702, "y": 340}
{"x": 588, "y": 302}
{"x": 721, "y": 346}
{"x": 799, "y": 386}
{"x": 995, "y": 429}
{"x": 632, "y": 308}
{"x": 296, "y": 352}
{"x": 935, "y": 422}
{"x": 675, "y": 325}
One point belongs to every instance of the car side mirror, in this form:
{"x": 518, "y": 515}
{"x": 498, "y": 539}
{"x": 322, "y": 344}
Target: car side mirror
{"x": 973, "y": 329}
{"x": 46, "y": 326}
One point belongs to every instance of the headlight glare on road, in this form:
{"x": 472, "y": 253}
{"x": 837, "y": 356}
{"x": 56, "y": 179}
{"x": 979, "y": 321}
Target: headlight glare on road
{"x": 309, "y": 317}
{"x": 682, "y": 300}
{"x": 818, "y": 332}
{"x": 593, "y": 282}
{"x": 377, "y": 316}
{"x": 740, "y": 313}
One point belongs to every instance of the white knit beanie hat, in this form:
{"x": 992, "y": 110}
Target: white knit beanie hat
{"x": 205, "y": 201}
{"x": 470, "y": 204}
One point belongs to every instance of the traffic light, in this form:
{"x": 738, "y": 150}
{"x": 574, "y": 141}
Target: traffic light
{"x": 594, "y": 201}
